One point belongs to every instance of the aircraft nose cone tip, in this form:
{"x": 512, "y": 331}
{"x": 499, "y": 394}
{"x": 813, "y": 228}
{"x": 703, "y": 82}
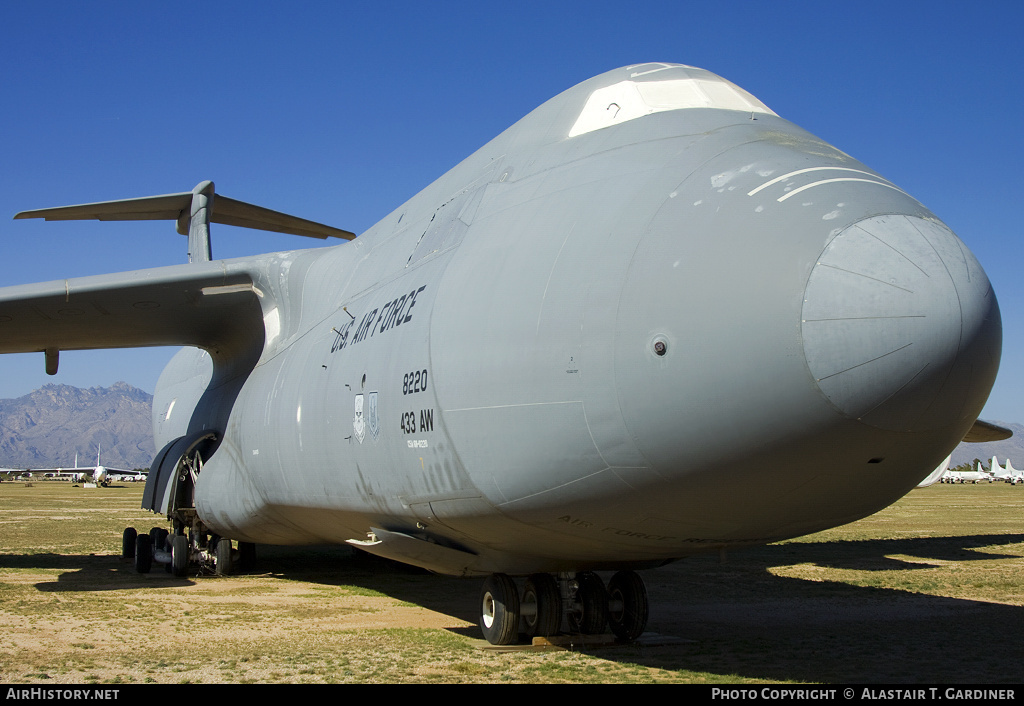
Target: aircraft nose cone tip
{"x": 900, "y": 326}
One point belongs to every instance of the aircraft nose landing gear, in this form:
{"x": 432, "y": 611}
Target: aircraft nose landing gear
{"x": 499, "y": 610}
{"x": 582, "y": 599}
{"x": 588, "y": 614}
{"x": 628, "y": 607}
{"x": 541, "y": 606}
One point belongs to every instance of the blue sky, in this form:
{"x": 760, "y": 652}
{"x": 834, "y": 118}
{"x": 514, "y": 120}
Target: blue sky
{"x": 339, "y": 112}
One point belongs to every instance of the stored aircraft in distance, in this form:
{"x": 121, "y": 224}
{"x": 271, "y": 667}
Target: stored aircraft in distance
{"x": 98, "y": 474}
{"x": 652, "y": 318}
{"x": 976, "y": 476}
{"x": 1007, "y": 473}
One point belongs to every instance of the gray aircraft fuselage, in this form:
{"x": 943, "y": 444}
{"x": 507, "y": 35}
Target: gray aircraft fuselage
{"x": 651, "y": 318}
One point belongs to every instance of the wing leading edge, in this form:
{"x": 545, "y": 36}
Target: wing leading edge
{"x": 208, "y": 305}
{"x": 983, "y": 431}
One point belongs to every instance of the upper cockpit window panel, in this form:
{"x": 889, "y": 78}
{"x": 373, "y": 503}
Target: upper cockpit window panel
{"x": 629, "y": 100}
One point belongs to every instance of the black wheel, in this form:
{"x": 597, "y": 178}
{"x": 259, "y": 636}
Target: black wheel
{"x": 179, "y": 555}
{"x": 499, "y": 610}
{"x": 628, "y": 606}
{"x": 158, "y": 539}
{"x": 143, "y": 554}
{"x": 590, "y": 616}
{"x": 224, "y": 558}
{"x": 541, "y": 606}
{"x": 128, "y": 543}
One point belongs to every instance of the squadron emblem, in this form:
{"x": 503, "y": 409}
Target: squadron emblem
{"x": 358, "y": 423}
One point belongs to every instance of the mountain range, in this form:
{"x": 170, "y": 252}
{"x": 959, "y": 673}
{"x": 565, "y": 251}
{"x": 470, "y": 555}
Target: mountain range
{"x": 48, "y": 427}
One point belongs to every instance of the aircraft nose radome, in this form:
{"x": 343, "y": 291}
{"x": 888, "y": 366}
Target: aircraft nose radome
{"x": 900, "y": 326}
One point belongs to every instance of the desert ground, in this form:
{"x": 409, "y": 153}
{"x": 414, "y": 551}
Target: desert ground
{"x": 928, "y": 590}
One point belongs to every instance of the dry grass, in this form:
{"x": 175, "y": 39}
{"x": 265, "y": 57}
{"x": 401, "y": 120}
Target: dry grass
{"x": 929, "y": 590}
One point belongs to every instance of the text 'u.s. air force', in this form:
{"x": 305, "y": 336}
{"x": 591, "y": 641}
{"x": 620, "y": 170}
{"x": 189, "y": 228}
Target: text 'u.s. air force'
{"x": 380, "y": 319}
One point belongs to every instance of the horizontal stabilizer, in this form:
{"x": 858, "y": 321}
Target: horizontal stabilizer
{"x": 176, "y": 207}
{"x": 246, "y": 215}
{"x": 986, "y": 431}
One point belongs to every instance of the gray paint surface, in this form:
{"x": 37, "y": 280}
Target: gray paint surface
{"x": 475, "y": 379}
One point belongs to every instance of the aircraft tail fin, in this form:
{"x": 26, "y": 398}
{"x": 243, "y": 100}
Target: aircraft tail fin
{"x": 194, "y": 212}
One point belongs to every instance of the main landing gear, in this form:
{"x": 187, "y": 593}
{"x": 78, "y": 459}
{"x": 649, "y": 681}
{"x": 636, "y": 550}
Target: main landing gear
{"x": 178, "y": 552}
{"x": 589, "y": 608}
{"x": 170, "y": 491}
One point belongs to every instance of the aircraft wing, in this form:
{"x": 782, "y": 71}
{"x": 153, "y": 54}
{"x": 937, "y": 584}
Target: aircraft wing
{"x": 210, "y": 305}
{"x": 63, "y": 471}
{"x": 983, "y": 431}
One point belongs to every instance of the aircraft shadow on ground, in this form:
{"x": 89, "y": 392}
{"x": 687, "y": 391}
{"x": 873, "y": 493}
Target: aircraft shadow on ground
{"x": 747, "y": 620}
{"x": 88, "y": 572}
{"x": 883, "y": 554}
{"x": 737, "y": 619}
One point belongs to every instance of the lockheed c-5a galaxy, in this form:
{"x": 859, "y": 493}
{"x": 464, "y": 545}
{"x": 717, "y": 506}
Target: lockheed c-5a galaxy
{"x": 651, "y": 318}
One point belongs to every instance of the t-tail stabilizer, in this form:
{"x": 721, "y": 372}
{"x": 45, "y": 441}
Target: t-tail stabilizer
{"x": 194, "y": 212}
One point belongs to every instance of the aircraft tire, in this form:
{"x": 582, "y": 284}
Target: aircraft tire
{"x": 499, "y": 610}
{"x": 541, "y": 592}
{"x": 158, "y": 538}
{"x": 128, "y": 543}
{"x": 143, "y": 553}
{"x": 224, "y": 559}
{"x": 179, "y": 555}
{"x": 591, "y": 618}
{"x": 627, "y": 592}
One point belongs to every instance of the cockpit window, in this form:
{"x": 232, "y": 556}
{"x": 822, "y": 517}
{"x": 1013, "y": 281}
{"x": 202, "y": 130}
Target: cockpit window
{"x": 629, "y": 100}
